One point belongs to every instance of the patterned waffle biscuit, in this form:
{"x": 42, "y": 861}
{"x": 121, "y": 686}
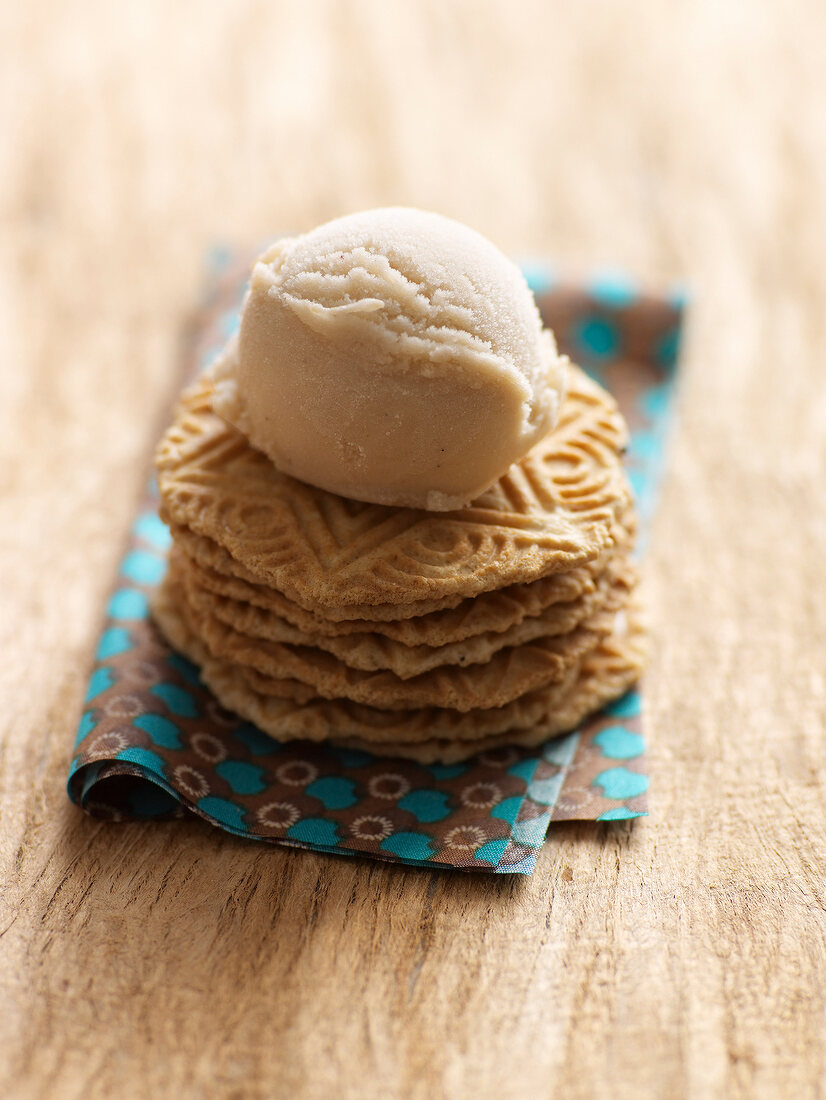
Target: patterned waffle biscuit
{"x": 551, "y": 513}
{"x": 489, "y": 612}
{"x": 606, "y": 674}
{"x": 371, "y": 652}
{"x": 507, "y": 675}
{"x": 426, "y": 734}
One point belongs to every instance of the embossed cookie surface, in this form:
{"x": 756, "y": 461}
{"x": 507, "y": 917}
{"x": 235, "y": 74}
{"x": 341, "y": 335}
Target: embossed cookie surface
{"x": 452, "y": 621}
{"x": 551, "y": 513}
{"x": 373, "y": 651}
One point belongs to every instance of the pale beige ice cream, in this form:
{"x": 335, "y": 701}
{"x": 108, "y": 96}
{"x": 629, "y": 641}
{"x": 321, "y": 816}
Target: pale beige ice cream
{"x": 392, "y": 356}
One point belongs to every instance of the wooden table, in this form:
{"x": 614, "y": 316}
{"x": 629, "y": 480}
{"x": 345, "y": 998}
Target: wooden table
{"x": 682, "y": 956}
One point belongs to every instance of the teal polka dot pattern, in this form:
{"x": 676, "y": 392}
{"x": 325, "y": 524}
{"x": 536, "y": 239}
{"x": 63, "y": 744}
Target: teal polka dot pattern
{"x": 447, "y": 771}
{"x": 161, "y": 730}
{"x": 524, "y": 769}
{"x": 508, "y": 810}
{"x": 620, "y": 783}
{"x": 629, "y": 706}
{"x": 426, "y": 805}
{"x": 409, "y": 846}
{"x": 243, "y": 778}
{"x": 188, "y": 671}
{"x": 351, "y": 758}
{"x": 176, "y": 699}
{"x": 538, "y": 276}
{"x": 597, "y": 338}
{"x": 315, "y": 830}
{"x": 333, "y": 792}
{"x": 226, "y": 813}
{"x": 491, "y": 852}
{"x": 151, "y": 529}
{"x": 100, "y": 680}
{"x": 669, "y": 348}
{"x": 613, "y": 289}
{"x": 135, "y": 754}
{"x": 113, "y": 641}
{"x": 152, "y": 742}
{"x": 619, "y": 743}
{"x": 255, "y": 741}
{"x": 128, "y": 603}
{"x": 87, "y": 724}
{"x": 143, "y": 568}
{"x": 619, "y": 813}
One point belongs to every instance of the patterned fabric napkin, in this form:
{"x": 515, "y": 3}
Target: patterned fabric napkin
{"x": 154, "y": 743}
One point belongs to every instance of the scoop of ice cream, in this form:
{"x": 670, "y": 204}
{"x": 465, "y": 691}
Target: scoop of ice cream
{"x": 392, "y": 356}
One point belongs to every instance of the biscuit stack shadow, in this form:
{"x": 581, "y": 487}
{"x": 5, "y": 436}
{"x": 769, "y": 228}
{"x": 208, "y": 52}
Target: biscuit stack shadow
{"x": 432, "y": 636}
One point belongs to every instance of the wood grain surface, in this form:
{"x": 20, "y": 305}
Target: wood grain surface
{"x": 682, "y": 956}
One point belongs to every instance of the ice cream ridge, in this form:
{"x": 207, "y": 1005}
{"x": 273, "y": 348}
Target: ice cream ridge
{"x": 392, "y": 356}
{"x": 400, "y": 520}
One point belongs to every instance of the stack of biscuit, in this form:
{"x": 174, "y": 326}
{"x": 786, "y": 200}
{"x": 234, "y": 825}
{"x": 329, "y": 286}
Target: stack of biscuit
{"x": 427, "y": 635}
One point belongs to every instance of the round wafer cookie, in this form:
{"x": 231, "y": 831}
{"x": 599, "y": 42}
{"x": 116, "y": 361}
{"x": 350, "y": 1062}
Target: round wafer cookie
{"x": 421, "y": 724}
{"x": 371, "y": 652}
{"x": 316, "y": 719}
{"x": 606, "y": 674}
{"x": 507, "y": 675}
{"x": 551, "y": 513}
{"x": 489, "y": 612}
{"x": 428, "y": 734}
